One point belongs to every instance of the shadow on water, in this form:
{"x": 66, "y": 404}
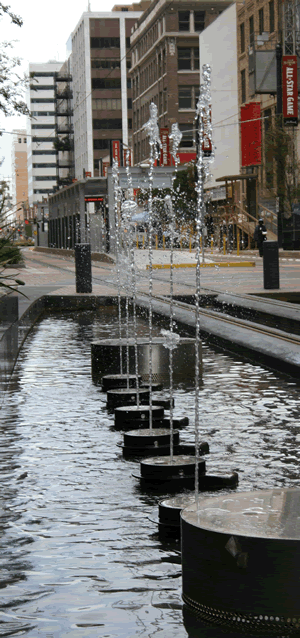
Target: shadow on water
{"x": 81, "y": 556}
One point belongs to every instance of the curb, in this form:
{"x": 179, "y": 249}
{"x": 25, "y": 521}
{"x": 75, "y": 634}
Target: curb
{"x": 219, "y": 264}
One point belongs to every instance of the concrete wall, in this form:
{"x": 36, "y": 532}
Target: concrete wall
{"x": 218, "y": 47}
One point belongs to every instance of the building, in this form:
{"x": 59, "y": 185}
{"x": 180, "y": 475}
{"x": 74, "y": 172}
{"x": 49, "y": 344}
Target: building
{"x": 165, "y": 69}
{"x": 41, "y": 131}
{"x": 102, "y": 100}
{"x": 19, "y": 175}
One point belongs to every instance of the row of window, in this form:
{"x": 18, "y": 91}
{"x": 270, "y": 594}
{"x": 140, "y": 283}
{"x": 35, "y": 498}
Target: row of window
{"x": 140, "y": 116}
{"x": 184, "y": 21}
{"x": 115, "y": 124}
{"x": 38, "y": 113}
{"x": 188, "y": 60}
{"x": 45, "y": 178}
{"x": 261, "y": 25}
{"x": 48, "y": 165}
{"x": 110, "y": 104}
{"x": 43, "y": 191}
{"x": 43, "y": 74}
{"x": 107, "y": 43}
{"x": 44, "y": 152}
{"x": 101, "y": 145}
{"x": 43, "y": 126}
{"x": 42, "y": 100}
{"x": 108, "y": 83}
{"x": 41, "y": 87}
{"x": 20, "y": 140}
{"x": 108, "y": 64}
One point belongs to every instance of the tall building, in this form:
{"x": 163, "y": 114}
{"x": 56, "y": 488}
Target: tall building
{"x": 41, "y": 131}
{"x": 19, "y": 174}
{"x": 165, "y": 69}
{"x": 102, "y": 101}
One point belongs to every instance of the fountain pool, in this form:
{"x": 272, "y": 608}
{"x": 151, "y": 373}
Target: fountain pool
{"x": 81, "y": 556}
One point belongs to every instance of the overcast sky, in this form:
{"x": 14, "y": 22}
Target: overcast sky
{"x": 43, "y": 36}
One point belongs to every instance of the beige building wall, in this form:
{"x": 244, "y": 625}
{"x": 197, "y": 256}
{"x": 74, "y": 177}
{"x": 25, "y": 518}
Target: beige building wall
{"x": 19, "y": 174}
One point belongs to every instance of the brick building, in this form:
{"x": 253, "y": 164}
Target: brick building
{"x": 165, "y": 68}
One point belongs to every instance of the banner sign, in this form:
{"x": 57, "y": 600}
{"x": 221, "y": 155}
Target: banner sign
{"x": 251, "y": 134}
{"x": 116, "y": 151}
{"x": 290, "y": 89}
{"x": 165, "y": 158}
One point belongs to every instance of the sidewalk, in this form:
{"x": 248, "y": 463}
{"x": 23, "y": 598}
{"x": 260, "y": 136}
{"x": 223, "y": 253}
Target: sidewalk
{"x": 50, "y": 274}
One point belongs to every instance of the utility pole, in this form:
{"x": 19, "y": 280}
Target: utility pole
{"x": 280, "y": 159}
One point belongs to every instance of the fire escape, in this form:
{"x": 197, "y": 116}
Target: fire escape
{"x": 64, "y": 134}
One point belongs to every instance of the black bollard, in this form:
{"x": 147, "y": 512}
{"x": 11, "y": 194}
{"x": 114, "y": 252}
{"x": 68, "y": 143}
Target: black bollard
{"x": 83, "y": 268}
{"x": 271, "y": 265}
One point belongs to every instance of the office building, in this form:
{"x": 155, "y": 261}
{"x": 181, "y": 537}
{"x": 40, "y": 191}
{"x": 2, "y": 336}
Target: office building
{"x": 41, "y": 132}
{"x": 102, "y": 101}
{"x": 19, "y": 175}
{"x": 165, "y": 69}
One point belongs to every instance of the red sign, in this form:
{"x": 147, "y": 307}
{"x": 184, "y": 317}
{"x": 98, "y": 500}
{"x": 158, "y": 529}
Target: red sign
{"x": 116, "y": 151}
{"x": 93, "y": 199}
{"x": 185, "y": 158}
{"x": 251, "y": 134}
{"x": 290, "y": 89}
{"x": 165, "y": 158}
{"x": 105, "y": 166}
{"x": 88, "y": 174}
{"x": 127, "y": 157}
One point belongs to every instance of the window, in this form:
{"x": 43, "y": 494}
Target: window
{"x": 43, "y": 74}
{"x": 105, "y": 64}
{"x": 107, "y": 104}
{"x": 42, "y": 87}
{"x": 44, "y": 152}
{"x": 185, "y": 97}
{"x": 25, "y": 140}
{"x": 107, "y": 124}
{"x": 42, "y": 139}
{"x": 129, "y": 103}
{"x": 188, "y": 97}
{"x": 199, "y": 20}
{"x": 105, "y": 83}
{"x": 243, "y": 85}
{"x": 188, "y": 59}
{"x": 49, "y": 165}
{"x": 43, "y": 191}
{"x": 187, "y": 135}
{"x": 101, "y": 145}
{"x": 42, "y": 100}
{"x": 261, "y": 21}
{"x": 105, "y": 43}
{"x": 183, "y": 20}
{"x": 19, "y": 140}
{"x": 184, "y": 59}
{"x": 251, "y": 30}
{"x": 271, "y": 16}
{"x": 43, "y": 126}
{"x": 128, "y": 83}
{"x": 128, "y": 42}
{"x": 42, "y": 113}
{"x": 242, "y": 37}
{"x": 45, "y": 178}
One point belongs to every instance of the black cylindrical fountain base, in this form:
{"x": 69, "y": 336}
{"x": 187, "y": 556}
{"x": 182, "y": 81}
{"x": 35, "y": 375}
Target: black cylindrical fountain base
{"x": 146, "y": 442}
{"x": 175, "y": 473}
{"x": 123, "y": 396}
{"x": 133, "y": 417}
{"x": 112, "y": 381}
{"x": 241, "y": 561}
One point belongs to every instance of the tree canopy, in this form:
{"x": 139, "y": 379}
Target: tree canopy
{"x": 12, "y": 81}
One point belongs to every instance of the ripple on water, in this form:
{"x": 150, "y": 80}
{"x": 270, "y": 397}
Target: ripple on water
{"x": 81, "y": 556}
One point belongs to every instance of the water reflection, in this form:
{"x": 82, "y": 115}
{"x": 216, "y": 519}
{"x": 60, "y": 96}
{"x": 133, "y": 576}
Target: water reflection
{"x": 81, "y": 554}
